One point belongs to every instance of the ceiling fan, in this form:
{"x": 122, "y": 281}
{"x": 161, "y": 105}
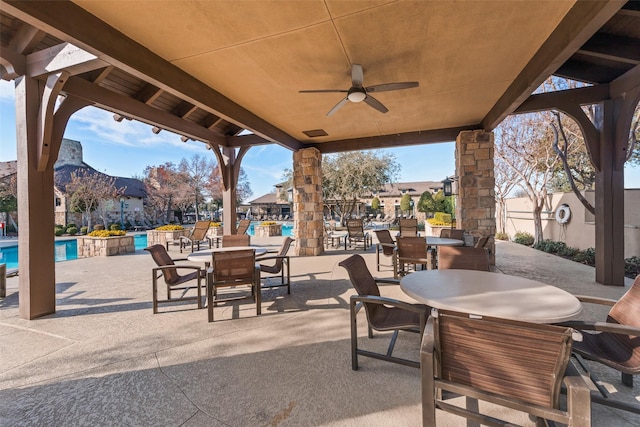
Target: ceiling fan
{"x": 359, "y": 93}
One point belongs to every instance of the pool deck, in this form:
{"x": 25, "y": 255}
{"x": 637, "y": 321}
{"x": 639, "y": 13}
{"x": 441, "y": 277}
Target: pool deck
{"x": 104, "y": 359}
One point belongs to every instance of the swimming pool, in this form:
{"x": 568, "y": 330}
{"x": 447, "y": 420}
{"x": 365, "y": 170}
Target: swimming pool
{"x": 287, "y": 229}
{"x": 64, "y": 250}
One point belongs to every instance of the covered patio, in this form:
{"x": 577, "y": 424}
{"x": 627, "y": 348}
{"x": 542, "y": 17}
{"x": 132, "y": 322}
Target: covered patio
{"x": 104, "y": 359}
{"x": 229, "y": 75}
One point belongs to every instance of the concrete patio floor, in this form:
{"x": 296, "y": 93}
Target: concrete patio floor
{"x": 104, "y": 359}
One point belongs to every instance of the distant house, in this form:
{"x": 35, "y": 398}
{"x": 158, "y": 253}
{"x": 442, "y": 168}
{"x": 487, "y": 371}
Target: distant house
{"x": 278, "y": 202}
{"x": 272, "y": 205}
{"x": 70, "y": 160}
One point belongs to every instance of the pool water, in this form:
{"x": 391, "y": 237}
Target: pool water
{"x": 287, "y": 229}
{"x": 64, "y": 250}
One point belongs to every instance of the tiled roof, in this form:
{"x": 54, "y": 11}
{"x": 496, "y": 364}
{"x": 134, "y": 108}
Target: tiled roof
{"x": 133, "y": 187}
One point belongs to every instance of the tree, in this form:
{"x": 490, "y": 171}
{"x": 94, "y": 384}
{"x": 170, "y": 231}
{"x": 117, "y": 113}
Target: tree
{"x": 9, "y": 198}
{"x": 426, "y": 203}
{"x": 405, "y": 203}
{"x": 375, "y": 203}
{"x": 506, "y": 181}
{"x": 90, "y": 190}
{"x": 524, "y": 144}
{"x": 347, "y": 177}
{"x": 163, "y": 185}
{"x": 198, "y": 173}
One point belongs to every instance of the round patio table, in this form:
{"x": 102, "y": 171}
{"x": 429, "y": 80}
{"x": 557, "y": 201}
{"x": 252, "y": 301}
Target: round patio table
{"x": 205, "y": 255}
{"x": 491, "y": 294}
{"x": 443, "y": 241}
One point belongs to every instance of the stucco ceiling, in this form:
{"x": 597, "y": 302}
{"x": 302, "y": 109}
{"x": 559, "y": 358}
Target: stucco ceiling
{"x": 260, "y": 54}
{"x": 208, "y": 69}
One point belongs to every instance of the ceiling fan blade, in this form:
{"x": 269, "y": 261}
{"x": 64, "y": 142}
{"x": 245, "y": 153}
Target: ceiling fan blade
{"x": 356, "y": 75}
{"x": 323, "y": 91}
{"x": 375, "y": 104}
{"x": 338, "y": 106}
{"x": 391, "y": 86}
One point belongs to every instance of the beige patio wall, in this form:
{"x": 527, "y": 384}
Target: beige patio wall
{"x": 579, "y": 231}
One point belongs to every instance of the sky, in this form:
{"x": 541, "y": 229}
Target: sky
{"x": 126, "y": 148}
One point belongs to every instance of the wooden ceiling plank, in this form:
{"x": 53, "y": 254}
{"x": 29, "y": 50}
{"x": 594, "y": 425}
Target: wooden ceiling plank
{"x": 395, "y": 140}
{"x": 67, "y": 21}
{"x": 63, "y": 57}
{"x": 246, "y": 140}
{"x": 148, "y": 94}
{"x": 26, "y": 39}
{"x": 130, "y": 107}
{"x": 587, "y": 72}
{"x": 184, "y": 109}
{"x": 578, "y": 25}
{"x": 614, "y": 48}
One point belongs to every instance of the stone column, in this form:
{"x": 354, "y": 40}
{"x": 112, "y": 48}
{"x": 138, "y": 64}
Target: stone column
{"x": 475, "y": 201}
{"x": 308, "y": 206}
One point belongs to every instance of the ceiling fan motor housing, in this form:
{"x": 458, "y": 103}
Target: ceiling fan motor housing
{"x": 356, "y": 94}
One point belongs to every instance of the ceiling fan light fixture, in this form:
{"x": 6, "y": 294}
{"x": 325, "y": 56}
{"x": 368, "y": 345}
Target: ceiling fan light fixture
{"x": 357, "y": 95}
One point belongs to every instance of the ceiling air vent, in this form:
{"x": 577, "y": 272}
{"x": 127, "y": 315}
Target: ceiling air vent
{"x": 315, "y": 133}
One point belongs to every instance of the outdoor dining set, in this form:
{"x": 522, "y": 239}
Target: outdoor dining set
{"x": 499, "y": 338}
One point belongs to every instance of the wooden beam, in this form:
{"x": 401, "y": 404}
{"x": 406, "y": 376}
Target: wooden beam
{"x": 556, "y": 100}
{"x": 578, "y": 25}
{"x": 26, "y": 39}
{"x": 68, "y": 21}
{"x": 13, "y": 63}
{"x": 246, "y": 141}
{"x": 50, "y": 94}
{"x": 148, "y": 94}
{"x": 590, "y": 72}
{"x": 130, "y": 107}
{"x": 625, "y": 83}
{"x": 395, "y": 140}
{"x": 64, "y": 56}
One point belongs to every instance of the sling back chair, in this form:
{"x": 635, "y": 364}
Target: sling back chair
{"x": 452, "y": 233}
{"x": 614, "y": 343}
{"x": 198, "y": 235}
{"x": 281, "y": 266}
{"x": 383, "y": 314}
{"x": 356, "y": 235}
{"x": 410, "y": 251}
{"x": 229, "y": 240}
{"x": 386, "y": 245}
{"x": 243, "y": 226}
{"x": 172, "y": 279}
{"x": 517, "y": 365}
{"x": 231, "y": 269}
{"x": 463, "y": 257}
{"x": 408, "y": 227}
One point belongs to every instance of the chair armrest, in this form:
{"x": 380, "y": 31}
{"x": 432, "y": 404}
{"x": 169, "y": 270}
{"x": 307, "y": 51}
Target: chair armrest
{"x": 388, "y": 281}
{"x": 387, "y": 245}
{"x": 596, "y": 300}
{"x": 265, "y": 258}
{"x": 373, "y": 299}
{"x": 264, "y": 255}
{"x": 184, "y": 238}
{"x": 177, "y": 267}
{"x": 613, "y": 328}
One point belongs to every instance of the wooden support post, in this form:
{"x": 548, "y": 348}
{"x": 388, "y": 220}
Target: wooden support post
{"x": 609, "y": 198}
{"x": 37, "y": 285}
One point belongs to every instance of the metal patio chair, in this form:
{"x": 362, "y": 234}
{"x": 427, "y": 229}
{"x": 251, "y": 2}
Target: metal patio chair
{"x": 463, "y": 257}
{"x": 385, "y": 245}
{"x": 383, "y": 314}
{"x": 517, "y": 365}
{"x": 197, "y": 236}
{"x": 174, "y": 281}
{"x": 281, "y": 266}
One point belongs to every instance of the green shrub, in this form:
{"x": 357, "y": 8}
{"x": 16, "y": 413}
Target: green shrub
{"x": 107, "y": 233}
{"x": 442, "y": 217}
{"x": 632, "y": 267}
{"x": 84, "y": 229}
{"x": 524, "y": 238}
{"x": 502, "y": 236}
{"x": 71, "y": 225}
{"x": 587, "y": 256}
{"x": 98, "y": 227}
{"x": 170, "y": 227}
{"x": 556, "y": 248}
{"x": 72, "y": 230}
{"x": 59, "y": 231}
{"x": 115, "y": 227}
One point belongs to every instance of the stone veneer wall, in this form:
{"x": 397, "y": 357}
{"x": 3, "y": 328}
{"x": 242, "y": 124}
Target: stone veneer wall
{"x": 105, "y": 246}
{"x": 475, "y": 201}
{"x": 307, "y": 202}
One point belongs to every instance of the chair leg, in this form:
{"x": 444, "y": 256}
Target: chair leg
{"x": 258, "y": 291}
{"x": 210, "y": 296}
{"x": 627, "y": 379}
{"x": 354, "y": 337}
{"x": 155, "y": 292}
